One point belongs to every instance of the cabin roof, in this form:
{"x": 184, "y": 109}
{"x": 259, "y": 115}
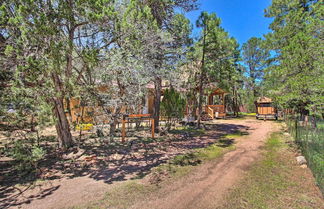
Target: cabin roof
{"x": 217, "y": 91}
{"x": 214, "y": 90}
{"x": 264, "y": 100}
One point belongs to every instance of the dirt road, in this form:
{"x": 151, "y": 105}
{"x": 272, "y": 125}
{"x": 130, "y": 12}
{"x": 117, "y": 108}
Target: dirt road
{"x": 203, "y": 188}
{"x": 206, "y": 187}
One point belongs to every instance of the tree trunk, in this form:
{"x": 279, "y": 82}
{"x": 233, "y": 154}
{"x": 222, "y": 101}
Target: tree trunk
{"x": 157, "y": 101}
{"x": 62, "y": 124}
{"x": 113, "y": 122}
{"x": 32, "y": 123}
{"x": 236, "y": 103}
{"x": 112, "y": 128}
{"x": 69, "y": 59}
{"x": 201, "y": 80}
{"x": 233, "y": 101}
{"x": 314, "y": 123}
{"x": 200, "y": 101}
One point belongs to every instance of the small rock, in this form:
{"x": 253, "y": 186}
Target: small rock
{"x": 301, "y": 160}
{"x": 117, "y": 156}
{"x": 303, "y": 166}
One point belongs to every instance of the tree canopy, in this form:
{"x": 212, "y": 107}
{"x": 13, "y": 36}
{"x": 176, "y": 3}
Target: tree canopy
{"x": 296, "y": 79}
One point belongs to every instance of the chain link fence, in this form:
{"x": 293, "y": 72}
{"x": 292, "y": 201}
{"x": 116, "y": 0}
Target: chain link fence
{"x": 310, "y": 139}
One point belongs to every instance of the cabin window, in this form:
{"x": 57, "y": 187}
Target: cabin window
{"x": 265, "y": 105}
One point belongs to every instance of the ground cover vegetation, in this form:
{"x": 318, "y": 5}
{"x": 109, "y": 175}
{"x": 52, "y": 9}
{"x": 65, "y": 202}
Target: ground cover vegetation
{"x": 111, "y": 54}
{"x": 275, "y": 181}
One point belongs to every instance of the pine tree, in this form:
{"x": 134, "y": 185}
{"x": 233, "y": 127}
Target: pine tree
{"x": 297, "y": 78}
{"x": 256, "y": 58}
{"x": 216, "y": 52}
{"x": 46, "y": 46}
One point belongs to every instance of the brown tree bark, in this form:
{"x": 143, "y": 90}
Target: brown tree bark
{"x": 235, "y": 102}
{"x": 157, "y": 101}
{"x": 113, "y": 122}
{"x": 201, "y": 79}
{"x": 237, "y": 107}
{"x": 69, "y": 64}
{"x": 62, "y": 124}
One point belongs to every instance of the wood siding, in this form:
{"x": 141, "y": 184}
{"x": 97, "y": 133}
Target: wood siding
{"x": 266, "y": 109}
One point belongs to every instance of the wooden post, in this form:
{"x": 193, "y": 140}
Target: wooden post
{"x": 223, "y": 101}
{"x": 210, "y": 99}
{"x": 153, "y": 127}
{"x": 123, "y": 130}
{"x": 223, "y": 96}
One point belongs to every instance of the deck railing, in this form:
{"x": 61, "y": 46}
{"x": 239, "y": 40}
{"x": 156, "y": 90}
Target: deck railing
{"x": 210, "y": 112}
{"x": 217, "y": 108}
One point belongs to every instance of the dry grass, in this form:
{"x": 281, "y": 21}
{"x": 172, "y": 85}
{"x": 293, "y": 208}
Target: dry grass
{"x": 123, "y": 195}
{"x": 276, "y": 181}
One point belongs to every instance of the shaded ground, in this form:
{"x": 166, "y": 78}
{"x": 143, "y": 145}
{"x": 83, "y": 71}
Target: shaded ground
{"x": 206, "y": 187}
{"x": 100, "y": 166}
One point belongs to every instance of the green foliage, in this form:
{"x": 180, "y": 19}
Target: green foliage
{"x": 296, "y": 80}
{"x": 220, "y": 50}
{"x": 49, "y": 46}
{"x": 26, "y": 156}
{"x": 256, "y": 58}
{"x": 187, "y": 159}
{"x": 204, "y": 154}
{"x": 215, "y": 59}
{"x": 173, "y": 104}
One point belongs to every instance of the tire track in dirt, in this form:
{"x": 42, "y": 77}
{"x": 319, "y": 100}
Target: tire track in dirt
{"x": 207, "y": 185}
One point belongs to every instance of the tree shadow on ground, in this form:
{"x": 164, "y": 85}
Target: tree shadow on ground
{"x": 112, "y": 162}
{"x": 14, "y": 196}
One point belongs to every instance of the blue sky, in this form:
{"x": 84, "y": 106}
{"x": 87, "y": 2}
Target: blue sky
{"x": 243, "y": 19}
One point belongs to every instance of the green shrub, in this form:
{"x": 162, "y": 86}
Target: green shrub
{"x": 172, "y": 106}
{"x": 26, "y": 156}
{"x": 187, "y": 159}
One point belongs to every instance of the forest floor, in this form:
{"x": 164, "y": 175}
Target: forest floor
{"x": 231, "y": 153}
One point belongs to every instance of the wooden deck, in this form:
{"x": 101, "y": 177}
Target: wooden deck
{"x": 215, "y": 111}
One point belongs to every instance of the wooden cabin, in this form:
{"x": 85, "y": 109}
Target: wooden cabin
{"x": 94, "y": 113}
{"x": 265, "y": 109}
{"x": 213, "y": 107}
{"x": 83, "y": 112}
{"x": 216, "y": 95}
{"x": 148, "y": 106}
